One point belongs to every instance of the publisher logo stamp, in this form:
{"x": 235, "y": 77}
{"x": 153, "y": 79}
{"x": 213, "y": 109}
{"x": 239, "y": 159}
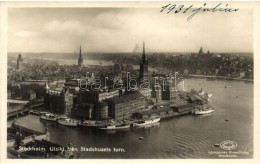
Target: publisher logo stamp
{"x": 228, "y": 145}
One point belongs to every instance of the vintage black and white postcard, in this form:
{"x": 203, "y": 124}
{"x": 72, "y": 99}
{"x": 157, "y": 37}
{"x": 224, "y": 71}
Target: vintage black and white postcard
{"x": 129, "y": 80}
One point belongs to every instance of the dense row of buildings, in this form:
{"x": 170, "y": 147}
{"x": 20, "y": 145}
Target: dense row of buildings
{"x": 83, "y": 102}
{"x": 75, "y": 96}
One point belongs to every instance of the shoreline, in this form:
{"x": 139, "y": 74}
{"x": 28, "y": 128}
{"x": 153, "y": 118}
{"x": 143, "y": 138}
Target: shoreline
{"x": 216, "y": 77}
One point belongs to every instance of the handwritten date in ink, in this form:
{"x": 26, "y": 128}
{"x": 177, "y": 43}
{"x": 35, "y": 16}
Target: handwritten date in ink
{"x": 173, "y": 8}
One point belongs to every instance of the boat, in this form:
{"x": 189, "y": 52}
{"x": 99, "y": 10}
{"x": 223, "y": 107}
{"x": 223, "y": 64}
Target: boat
{"x": 147, "y": 122}
{"x": 48, "y": 117}
{"x": 201, "y": 110}
{"x": 207, "y": 96}
{"x": 61, "y": 117}
{"x": 201, "y": 92}
{"x": 92, "y": 124}
{"x": 68, "y": 122}
{"x": 115, "y": 127}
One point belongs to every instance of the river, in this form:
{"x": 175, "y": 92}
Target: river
{"x": 188, "y": 136}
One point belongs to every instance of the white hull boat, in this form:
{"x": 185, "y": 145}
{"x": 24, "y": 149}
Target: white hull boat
{"x": 147, "y": 122}
{"x": 48, "y": 117}
{"x": 115, "y": 127}
{"x": 201, "y": 112}
{"x": 68, "y": 122}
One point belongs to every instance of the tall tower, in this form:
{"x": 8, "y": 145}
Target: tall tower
{"x": 201, "y": 51}
{"x": 19, "y": 59}
{"x": 80, "y": 59}
{"x": 143, "y": 73}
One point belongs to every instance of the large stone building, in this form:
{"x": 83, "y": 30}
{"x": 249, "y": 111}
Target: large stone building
{"x": 125, "y": 105}
{"x": 37, "y": 86}
{"x": 91, "y": 103}
{"x": 169, "y": 94}
{"x": 60, "y": 102}
{"x": 101, "y": 110}
{"x": 29, "y": 95}
{"x": 156, "y": 93}
{"x": 84, "y": 111}
{"x": 93, "y": 97}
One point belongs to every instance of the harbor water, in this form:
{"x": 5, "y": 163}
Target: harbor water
{"x": 189, "y": 136}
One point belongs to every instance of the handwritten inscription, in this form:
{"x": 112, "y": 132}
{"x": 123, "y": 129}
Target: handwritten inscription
{"x": 173, "y": 8}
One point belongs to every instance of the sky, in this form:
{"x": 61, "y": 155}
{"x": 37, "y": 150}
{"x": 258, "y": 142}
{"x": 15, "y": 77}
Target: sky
{"x": 63, "y": 30}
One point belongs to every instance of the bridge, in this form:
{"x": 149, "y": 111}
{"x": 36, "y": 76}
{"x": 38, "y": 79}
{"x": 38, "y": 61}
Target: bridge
{"x": 17, "y": 112}
{"x": 17, "y": 101}
{"x": 22, "y": 109}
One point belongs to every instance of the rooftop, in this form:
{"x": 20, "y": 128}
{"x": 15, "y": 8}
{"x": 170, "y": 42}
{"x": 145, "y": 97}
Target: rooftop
{"x": 127, "y": 97}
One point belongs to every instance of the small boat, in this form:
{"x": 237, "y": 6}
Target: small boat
{"x": 141, "y": 138}
{"x": 147, "y": 122}
{"x": 216, "y": 145}
{"x": 209, "y": 95}
{"x": 201, "y": 92}
{"x": 201, "y": 112}
{"x": 116, "y": 127}
{"x": 92, "y": 124}
{"x": 68, "y": 122}
{"x": 48, "y": 117}
{"x": 61, "y": 117}
{"x": 204, "y": 109}
{"x": 226, "y": 119}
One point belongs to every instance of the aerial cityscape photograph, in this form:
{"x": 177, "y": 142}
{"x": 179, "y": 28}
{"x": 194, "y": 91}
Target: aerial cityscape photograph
{"x": 130, "y": 83}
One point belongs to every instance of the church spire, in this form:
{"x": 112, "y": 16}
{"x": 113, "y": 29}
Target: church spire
{"x": 80, "y": 52}
{"x": 143, "y": 49}
{"x": 201, "y": 51}
{"x": 80, "y": 59}
{"x": 143, "y": 57}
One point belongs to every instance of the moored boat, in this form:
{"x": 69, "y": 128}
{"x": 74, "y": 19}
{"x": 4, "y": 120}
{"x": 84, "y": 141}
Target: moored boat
{"x": 92, "y": 124}
{"x": 147, "y": 122}
{"x": 201, "y": 112}
{"x": 48, "y": 117}
{"x": 204, "y": 109}
{"x": 115, "y": 127}
{"x": 68, "y": 122}
{"x": 61, "y": 117}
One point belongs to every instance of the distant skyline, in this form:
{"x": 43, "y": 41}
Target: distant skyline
{"x": 63, "y": 30}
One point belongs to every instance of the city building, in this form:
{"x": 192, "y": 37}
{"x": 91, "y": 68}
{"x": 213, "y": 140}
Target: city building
{"x": 29, "y": 95}
{"x": 93, "y": 97}
{"x": 156, "y": 93}
{"x": 38, "y": 86}
{"x": 147, "y": 93}
{"x": 80, "y": 59}
{"x": 125, "y": 105}
{"x": 168, "y": 93}
{"x": 60, "y": 102}
{"x": 101, "y": 110}
{"x": 84, "y": 111}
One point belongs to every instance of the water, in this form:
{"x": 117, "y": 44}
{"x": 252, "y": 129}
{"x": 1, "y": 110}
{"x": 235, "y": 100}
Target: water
{"x": 183, "y": 137}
